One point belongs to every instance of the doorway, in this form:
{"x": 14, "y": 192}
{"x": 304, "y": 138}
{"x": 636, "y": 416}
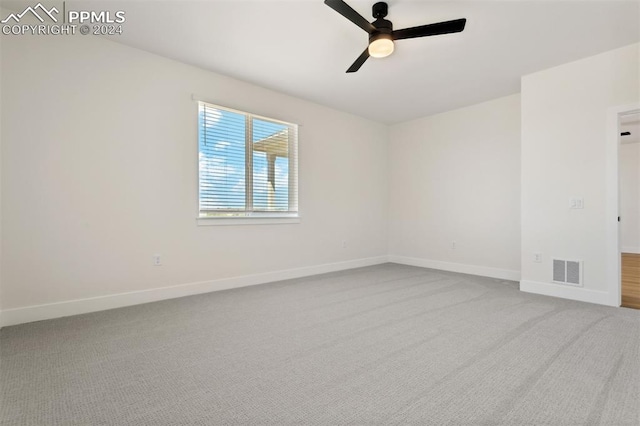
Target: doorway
{"x": 629, "y": 208}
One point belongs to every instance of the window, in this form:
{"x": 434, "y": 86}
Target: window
{"x": 248, "y": 165}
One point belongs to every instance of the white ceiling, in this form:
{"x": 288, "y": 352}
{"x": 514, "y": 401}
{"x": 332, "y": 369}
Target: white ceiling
{"x": 303, "y": 47}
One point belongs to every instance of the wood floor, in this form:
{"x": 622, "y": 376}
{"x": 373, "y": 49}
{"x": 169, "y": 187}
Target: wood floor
{"x": 631, "y": 280}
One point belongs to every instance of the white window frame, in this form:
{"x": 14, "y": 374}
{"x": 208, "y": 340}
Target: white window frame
{"x": 250, "y": 217}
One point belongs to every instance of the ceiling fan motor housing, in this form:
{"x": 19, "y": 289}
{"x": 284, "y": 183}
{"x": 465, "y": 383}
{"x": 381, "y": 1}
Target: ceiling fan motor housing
{"x": 382, "y": 31}
{"x": 383, "y": 26}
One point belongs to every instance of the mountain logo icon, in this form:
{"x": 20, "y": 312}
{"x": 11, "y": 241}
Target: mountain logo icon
{"x": 38, "y": 11}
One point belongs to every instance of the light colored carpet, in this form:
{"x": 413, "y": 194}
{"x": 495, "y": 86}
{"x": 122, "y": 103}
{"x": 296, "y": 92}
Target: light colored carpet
{"x": 388, "y": 344}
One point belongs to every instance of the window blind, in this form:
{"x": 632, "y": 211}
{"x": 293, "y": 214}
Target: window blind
{"x": 247, "y": 164}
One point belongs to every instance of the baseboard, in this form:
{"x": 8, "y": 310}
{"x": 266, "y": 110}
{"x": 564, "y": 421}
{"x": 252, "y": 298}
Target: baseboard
{"x": 483, "y": 271}
{"x": 634, "y": 250}
{"x": 566, "y": 292}
{"x": 82, "y": 306}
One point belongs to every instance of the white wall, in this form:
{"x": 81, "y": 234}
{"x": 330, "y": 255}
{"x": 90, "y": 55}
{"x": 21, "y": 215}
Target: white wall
{"x": 564, "y": 155}
{"x": 455, "y": 176}
{"x": 630, "y": 198}
{"x": 99, "y": 172}
{"x": 1, "y": 119}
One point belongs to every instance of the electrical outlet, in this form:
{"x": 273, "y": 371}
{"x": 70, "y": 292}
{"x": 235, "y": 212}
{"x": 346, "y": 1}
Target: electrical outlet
{"x": 344, "y": 243}
{"x": 453, "y": 245}
{"x": 537, "y": 257}
{"x": 157, "y": 260}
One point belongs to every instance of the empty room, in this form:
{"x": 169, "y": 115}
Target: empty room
{"x": 320, "y": 212}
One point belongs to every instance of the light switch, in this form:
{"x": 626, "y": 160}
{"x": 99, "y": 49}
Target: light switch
{"x": 576, "y": 203}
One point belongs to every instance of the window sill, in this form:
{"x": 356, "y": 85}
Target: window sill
{"x": 225, "y": 221}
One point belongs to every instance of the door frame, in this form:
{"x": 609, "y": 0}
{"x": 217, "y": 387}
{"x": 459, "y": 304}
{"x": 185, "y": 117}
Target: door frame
{"x": 612, "y": 211}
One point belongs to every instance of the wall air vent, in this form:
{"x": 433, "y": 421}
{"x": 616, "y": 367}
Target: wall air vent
{"x": 567, "y": 272}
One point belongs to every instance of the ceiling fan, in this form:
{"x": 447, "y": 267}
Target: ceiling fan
{"x": 381, "y": 33}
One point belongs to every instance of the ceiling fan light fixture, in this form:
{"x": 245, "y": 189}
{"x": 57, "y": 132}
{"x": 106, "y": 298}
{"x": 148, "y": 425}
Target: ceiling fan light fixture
{"x": 381, "y": 46}
{"x": 381, "y": 33}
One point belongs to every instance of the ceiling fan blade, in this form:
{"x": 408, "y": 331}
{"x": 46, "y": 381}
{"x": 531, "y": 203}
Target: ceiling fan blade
{"x": 361, "y": 59}
{"x": 345, "y": 10}
{"x": 446, "y": 27}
